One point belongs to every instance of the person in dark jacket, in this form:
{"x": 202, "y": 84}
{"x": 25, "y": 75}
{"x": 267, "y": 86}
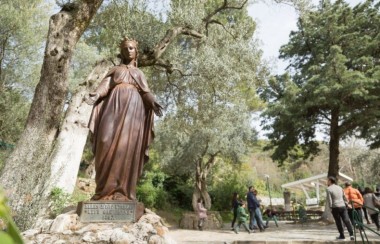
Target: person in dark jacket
{"x": 252, "y": 205}
{"x": 235, "y": 205}
{"x": 377, "y": 192}
{"x": 271, "y": 214}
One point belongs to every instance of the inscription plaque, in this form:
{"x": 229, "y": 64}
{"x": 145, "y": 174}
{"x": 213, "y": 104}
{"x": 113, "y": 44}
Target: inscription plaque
{"x": 107, "y": 211}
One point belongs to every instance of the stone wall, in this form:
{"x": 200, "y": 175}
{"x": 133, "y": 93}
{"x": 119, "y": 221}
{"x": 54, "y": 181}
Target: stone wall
{"x": 190, "y": 221}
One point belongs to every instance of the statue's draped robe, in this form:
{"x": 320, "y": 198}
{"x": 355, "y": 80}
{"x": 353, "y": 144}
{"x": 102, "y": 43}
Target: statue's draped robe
{"x": 122, "y": 127}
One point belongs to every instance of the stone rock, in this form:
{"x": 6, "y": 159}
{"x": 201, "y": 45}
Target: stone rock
{"x": 190, "y": 221}
{"x": 46, "y": 238}
{"x": 121, "y": 237}
{"x": 43, "y": 224}
{"x": 156, "y": 239}
{"x": 92, "y": 227}
{"x": 162, "y": 230}
{"x": 60, "y": 242}
{"x": 64, "y": 222}
{"x": 30, "y": 233}
{"x": 67, "y": 228}
{"x": 89, "y": 237}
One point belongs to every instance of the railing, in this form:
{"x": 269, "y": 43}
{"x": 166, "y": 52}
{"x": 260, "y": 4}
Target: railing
{"x": 294, "y": 215}
{"x": 358, "y": 222}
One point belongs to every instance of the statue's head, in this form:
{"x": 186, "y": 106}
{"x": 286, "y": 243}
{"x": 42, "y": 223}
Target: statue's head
{"x": 128, "y": 51}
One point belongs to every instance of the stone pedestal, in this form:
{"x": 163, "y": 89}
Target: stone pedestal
{"x": 110, "y": 211}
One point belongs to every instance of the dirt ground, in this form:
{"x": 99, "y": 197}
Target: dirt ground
{"x": 286, "y": 233}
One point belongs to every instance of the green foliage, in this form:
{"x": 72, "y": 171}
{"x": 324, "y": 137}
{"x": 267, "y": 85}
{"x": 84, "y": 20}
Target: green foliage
{"x": 122, "y": 18}
{"x": 334, "y": 62}
{"x": 12, "y": 233}
{"x": 14, "y": 109}
{"x": 60, "y": 200}
{"x": 150, "y": 190}
{"x": 232, "y": 178}
{"x": 367, "y": 167}
{"x": 22, "y": 36}
{"x": 82, "y": 63}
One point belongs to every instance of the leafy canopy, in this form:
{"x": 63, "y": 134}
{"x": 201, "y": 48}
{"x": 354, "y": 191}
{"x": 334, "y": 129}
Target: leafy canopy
{"x": 334, "y": 78}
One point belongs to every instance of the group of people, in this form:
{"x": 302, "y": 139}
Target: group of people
{"x": 343, "y": 202}
{"x": 254, "y": 213}
{"x": 240, "y": 216}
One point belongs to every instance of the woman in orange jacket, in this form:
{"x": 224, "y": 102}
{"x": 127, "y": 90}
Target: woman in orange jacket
{"x": 354, "y": 195}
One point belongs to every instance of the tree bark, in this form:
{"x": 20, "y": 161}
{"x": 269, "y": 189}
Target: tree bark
{"x": 201, "y": 172}
{"x": 334, "y": 144}
{"x": 333, "y": 157}
{"x": 200, "y": 189}
{"x": 69, "y": 145}
{"x": 28, "y": 169}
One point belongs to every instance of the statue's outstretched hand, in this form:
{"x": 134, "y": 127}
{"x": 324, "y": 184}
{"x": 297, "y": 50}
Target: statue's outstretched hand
{"x": 157, "y": 108}
{"x": 92, "y": 98}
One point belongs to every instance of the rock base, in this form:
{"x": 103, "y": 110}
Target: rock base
{"x": 190, "y": 221}
{"x": 67, "y": 228}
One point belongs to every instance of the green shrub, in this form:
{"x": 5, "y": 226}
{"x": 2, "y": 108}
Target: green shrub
{"x": 147, "y": 194}
{"x": 151, "y": 191}
{"x": 59, "y": 200}
{"x": 12, "y": 233}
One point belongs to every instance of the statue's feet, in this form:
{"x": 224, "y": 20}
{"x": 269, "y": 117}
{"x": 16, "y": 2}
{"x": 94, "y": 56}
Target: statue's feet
{"x": 120, "y": 197}
{"x": 116, "y": 196}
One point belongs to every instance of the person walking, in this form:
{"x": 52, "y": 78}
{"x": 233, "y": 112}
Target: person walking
{"x": 377, "y": 192}
{"x": 369, "y": 202}
{"x": 235, "y": 206}
{"x": 271, "y": 214}
{"x": 361, "y": 190}
{"x": 202, "y": 214}
{"x": 337, "y": 202}
{"x": 258, "y": 211}
{"x": 242, "y": 219}
{"x": 353, "y": 195}
{"x": 252, "y": 205}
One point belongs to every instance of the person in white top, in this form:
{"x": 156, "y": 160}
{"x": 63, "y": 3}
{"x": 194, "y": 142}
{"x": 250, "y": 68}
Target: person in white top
{"x": 337, "y": 202}
{"x": 202, "y": 214}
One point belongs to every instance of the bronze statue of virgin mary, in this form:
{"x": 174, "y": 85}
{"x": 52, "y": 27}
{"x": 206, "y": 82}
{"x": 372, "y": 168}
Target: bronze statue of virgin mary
{"x": 122, "y": 127}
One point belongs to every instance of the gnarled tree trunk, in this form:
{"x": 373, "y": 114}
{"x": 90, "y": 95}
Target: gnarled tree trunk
{"x": 27, "y": 171}
{"x": 200, "y": 189}
{"x": 69, "y": 145}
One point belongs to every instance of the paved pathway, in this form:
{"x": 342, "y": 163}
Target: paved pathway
{"x": 285, "y": 233}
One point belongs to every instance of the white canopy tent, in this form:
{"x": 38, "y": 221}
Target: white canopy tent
{"x": 314, "y": 182}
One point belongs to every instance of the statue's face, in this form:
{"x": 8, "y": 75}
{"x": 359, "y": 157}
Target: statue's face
{"x": 129, "y": 51}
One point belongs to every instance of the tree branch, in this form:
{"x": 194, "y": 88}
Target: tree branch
{"x": 211, "y": 161}
{"x": 213, "y": 21}
{"x": 208, "y": 19}
{"x": 151, "y": 57}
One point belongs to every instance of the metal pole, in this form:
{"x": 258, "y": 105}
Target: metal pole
{"x": 270, "y": 197}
